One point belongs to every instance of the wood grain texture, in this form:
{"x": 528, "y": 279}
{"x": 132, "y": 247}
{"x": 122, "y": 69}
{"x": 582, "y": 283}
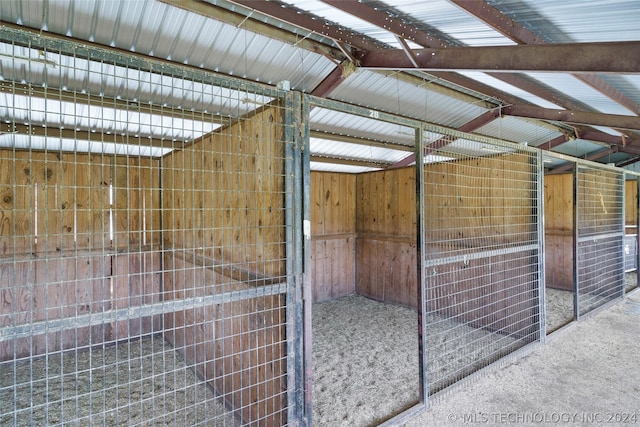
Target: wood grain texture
{"x": 631, "y": 206}
{"x": 65, "y": 266}
{"x": 333, "y": 227}
{"x": 559, "y": 229}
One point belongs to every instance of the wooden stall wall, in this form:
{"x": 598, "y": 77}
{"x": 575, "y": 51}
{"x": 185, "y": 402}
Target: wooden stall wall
{"x": 223, "y": 227}
{"x": 559, "y": 230}
{"x": 631, "y": 228}
{"x": 333, "y": 235}
{"x": 631, "y": 206}
{"x": 60, "y": 258}
{"x": 386, "y": 241}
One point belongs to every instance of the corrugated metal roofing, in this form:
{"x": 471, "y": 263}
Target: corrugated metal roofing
{"x": 35, "y": 142}
{"x": 629, "y": 85}
{"x": 345, "y": 150}
{"x": 578, "y": 147}
{"x": 164, "y": 31}
{"x": 577, "y": 89}
{"x": 55, "y": 113}
{"x": 507, "y": 88}
{"x": 576, "y": 20}
{"x": 167, "y": 32}
{"x": 336, "y": 167}
{"x": 452, "y": 21}
{"x": 346, "y": 124}
{"x": 518, "y": 130}
{"x": 379, "y": 91}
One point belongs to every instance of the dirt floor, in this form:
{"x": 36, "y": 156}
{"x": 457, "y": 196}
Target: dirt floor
{"x": 559, "y": 306}
{"x": 121, "y": 384}
{"x": 588, "y": 374}
{"x": 630, "y": 281}
{"x": 365, "y": 358}
{"x": 365, "y": 370}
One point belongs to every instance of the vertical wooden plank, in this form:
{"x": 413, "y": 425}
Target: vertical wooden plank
{"x": 322, "y": 284}
{"x": 316, "y": 203}
{"x": 335, "y": 251}
{"x": 10, "y": 239}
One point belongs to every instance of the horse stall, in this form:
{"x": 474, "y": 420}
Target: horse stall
{"x": 145, "y": 273}
{"x": 559, "y": 249}
{"x": 480, "y": 294}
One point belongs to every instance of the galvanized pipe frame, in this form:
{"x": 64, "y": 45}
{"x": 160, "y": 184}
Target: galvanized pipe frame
{"x": 307, "y": 293}
{"x": 542, "y": 283}
{"x": 294, "y": 211}
{"x": 148, "y": 310}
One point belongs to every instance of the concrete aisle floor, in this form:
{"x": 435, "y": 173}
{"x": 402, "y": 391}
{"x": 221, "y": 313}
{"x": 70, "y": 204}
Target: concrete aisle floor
{"x": 587, "y": 374}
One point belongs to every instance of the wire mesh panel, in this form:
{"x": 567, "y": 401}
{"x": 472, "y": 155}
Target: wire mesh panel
{"x": 482, "y": 254}
{"x": 599, "y": 236}
{"x": 630, "y": 253}
{"x": 146, "y": 215}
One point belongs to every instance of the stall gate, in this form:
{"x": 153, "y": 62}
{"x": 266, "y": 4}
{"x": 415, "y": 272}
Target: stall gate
{"x": 483, "y": 257}
{"x": 148, "y": 236}
{"x": 599, "y": 236}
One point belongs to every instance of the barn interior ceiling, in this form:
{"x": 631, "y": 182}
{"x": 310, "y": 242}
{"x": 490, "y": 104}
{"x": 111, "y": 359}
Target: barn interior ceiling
{"x": 561, "y": 76}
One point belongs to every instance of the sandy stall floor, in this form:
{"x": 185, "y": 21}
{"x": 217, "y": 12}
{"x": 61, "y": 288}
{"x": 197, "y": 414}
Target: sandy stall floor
{"x": 559, "y": 307}
{"x": 142, "y": 383}
{"x": 630, "y": 281}
{"x": 365, "y": 358}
